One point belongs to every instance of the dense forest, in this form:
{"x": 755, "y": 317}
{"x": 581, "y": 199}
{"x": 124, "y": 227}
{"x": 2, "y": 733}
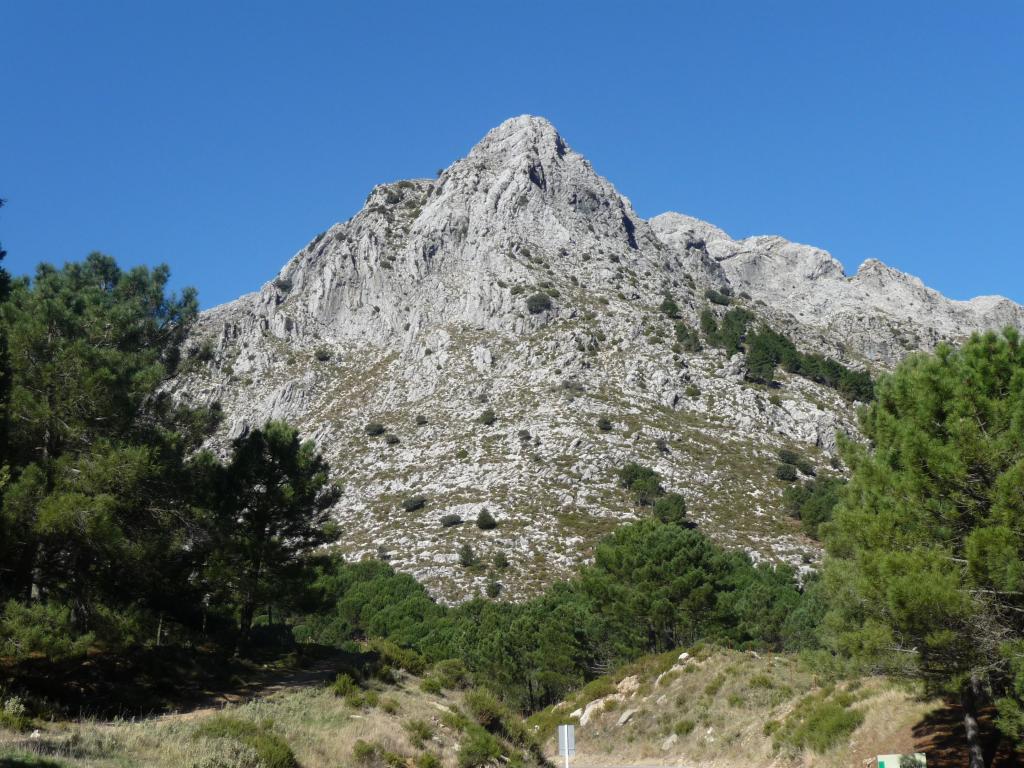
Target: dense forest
{"x": 118, "y": 531}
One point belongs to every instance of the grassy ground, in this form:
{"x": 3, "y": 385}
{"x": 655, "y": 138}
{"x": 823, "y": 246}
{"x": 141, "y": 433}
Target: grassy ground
{"x": 716, "y": 707}
{"x": 730, "y": 709}
{"x": 372, "y": 724}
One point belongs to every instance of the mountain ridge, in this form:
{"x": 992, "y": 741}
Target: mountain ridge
{"x": 520, "y": 282}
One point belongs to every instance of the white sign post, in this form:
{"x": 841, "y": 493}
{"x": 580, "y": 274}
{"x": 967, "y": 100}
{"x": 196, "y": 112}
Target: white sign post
{"x": 567, "y": 742}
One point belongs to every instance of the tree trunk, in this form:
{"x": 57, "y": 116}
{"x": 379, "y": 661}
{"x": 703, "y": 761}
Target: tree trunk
{"x": 245, "y": 620}
{"x": 970, "y": 698}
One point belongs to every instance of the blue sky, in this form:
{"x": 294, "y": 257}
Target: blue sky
{"x": 219, "y": 137}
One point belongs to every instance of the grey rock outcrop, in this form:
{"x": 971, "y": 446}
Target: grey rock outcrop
{"x": 521, "y": 282}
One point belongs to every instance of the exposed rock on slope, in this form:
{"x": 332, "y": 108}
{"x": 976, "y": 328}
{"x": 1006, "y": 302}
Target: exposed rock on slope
{"x": 880, "y": 312}
{"x": 520, "y": 282}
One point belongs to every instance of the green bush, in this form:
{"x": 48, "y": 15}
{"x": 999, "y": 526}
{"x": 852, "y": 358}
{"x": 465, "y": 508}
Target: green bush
{"x": 414, "y": 503}
{"x": 813, "y": 502}
{"x": 374, "y": 429}
{"x": 501, "y": 561}
{"x": 485, "y": 521}
{"x": 684, "y": 728}
{"x": 537, "y": 303}
{"x": 323, "y": 354}
{"x": 787, "y": 456}
{"x": 671, "y": 508}
{"x": 452, "y": 673}
{"x": 13, "y": 714}
{"x": 44, "y": 628}
{"x": 669, "y": 307}
{"x": 392, "y": 440}
{"x": 485, "y": 708}
{"x": 467, "y": 558}
{"x": 363, "y": 752}
{"x": 431, "y": 685}
{"x": 806, "y": 467}
{"x": 420, "y": 732}
{"x": 447, "y": 521}
{"x": 644, "y": 482}
{"x": 818, "y": 723}
{"x": 604, "y": 424}
{"x": 402, "y": 658}
{"x": 428, "y": 760}
{"x": 343, "y": 685}
{"x": 493, "y": 589}
{"x": 479, "y": 748}
{"x": 421, "y": 420}
{"x": 273, "y": 751}
{"x": 487, "y": 417}
{"x": 786, "y": 472}
{"x": 687, "y": 338}
{"x": 716, "y": 297}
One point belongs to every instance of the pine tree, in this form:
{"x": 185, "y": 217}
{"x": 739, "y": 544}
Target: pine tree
{"x": 271, "y": 508}
{"x": 95, "y": 516}
{"x": 926, "y": 566}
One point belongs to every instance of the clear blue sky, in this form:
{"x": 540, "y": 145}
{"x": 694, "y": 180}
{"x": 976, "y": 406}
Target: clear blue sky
{"x": 220, "y": 137}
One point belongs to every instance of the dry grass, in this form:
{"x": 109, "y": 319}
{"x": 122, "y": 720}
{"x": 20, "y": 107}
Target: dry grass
{"x": 320, "y": 728}
{"x": 713, "y": 711}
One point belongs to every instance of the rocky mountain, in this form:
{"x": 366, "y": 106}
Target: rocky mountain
{"x": 497, "y": 338}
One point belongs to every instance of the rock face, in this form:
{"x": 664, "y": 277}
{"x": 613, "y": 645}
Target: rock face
{"x": 520, "y": 283}
{"x": 880, "y": 313}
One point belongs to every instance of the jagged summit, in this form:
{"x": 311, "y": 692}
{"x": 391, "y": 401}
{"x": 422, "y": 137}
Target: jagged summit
{"x": 519, "y": 136}
{"x": 506, "y": 325}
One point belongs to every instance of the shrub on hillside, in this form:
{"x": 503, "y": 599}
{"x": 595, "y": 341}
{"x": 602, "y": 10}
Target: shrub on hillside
{"x": 537, "y": 303}
{"x": 787, "y": 456}
{"x": 487, "y": 417}
{"x": 452, "y": 673}
{"x": 343, "y": 685}
{"x": 374, "y": 429}
{"x": 786, "y": 472}
{"x": 485, "y": 521}
{"x": 716, "y": 297}
{"x": 485, "y": 708}
{"x": 272, "y": 750}
{"x": 414, "y": 503}
{"x": 479, "y": 748}
{"x": 604, "y": 424}
{"x": 819, "y": 723}
{"x": 431, "y": 685}
{"x": 806, "y": 467}
{"x": 420, "y": 732}
{"x": 13, "y": 714}
{"x": 643, "y": 482}
{"x": 669, "y": 307}
{"x": 44, "y": 628}
{"x": 671, "y": 508}
{"x": 447, "y": 521}
{"x": 467, "y": 558}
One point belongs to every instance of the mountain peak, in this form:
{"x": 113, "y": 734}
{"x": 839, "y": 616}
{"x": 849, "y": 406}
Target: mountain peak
{"x": 521, "y": 136}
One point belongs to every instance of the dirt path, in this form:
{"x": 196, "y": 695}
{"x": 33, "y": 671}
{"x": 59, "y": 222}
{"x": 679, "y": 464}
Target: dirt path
{"x": 262, "y": 685}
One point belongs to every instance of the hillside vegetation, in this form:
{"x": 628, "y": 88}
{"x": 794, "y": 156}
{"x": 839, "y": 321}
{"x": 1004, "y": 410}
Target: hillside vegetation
{"x": 140, "y": 569}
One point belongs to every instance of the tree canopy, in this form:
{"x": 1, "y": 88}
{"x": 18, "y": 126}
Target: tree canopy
{"x": 926, "y": 551}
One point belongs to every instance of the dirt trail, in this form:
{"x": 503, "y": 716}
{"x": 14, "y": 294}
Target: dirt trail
{"x": 263, "y": 684}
